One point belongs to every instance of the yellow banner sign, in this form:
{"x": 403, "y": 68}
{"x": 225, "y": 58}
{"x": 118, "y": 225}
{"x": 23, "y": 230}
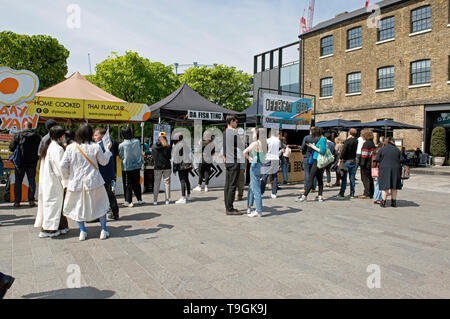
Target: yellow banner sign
{"x": 56, "y": 107}
{"x": 116, "y": 111}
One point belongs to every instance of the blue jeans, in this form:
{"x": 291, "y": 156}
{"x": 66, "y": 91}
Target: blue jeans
{"x": 285, "y": 170}
{"x": 254, "y": 189}
{"x": 307, "y": 169}
{"x": 351, "y": 170}
{"x": 274, "y": 165}
{"x": 377, "y": 193}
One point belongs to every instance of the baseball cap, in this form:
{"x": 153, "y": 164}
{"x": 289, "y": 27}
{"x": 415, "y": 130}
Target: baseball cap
{"x": 163, "y": 134}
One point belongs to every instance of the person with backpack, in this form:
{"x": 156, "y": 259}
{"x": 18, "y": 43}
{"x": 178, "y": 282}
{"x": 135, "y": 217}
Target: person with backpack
{"x": 182, "y": 164}
{"x": 27, "y": 144}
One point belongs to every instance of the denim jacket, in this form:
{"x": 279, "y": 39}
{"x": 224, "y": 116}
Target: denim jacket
{"x": 131, "y": 154}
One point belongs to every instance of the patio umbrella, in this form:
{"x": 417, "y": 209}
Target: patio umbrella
{"x": 335, "y": 123}
{"x": 387, "y": 125}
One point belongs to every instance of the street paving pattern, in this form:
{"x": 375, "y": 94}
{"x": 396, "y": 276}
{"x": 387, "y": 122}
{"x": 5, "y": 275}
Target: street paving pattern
{"x": 296, "y": 250}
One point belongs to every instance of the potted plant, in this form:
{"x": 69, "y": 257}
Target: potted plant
{"x": 438, "y": 145}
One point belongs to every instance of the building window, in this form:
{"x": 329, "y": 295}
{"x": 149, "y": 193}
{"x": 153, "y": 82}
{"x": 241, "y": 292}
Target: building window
{"x": 326, "y": 45}
{"x": 420, "y": 72}
{"x": 385, "y": 78}
{"x": 326, "y": 87}
{"x": 354, "y": 83}
{"x": 354, "y": 38}
{"x": 386, "y": 29}
{"x": 421, "y": 19}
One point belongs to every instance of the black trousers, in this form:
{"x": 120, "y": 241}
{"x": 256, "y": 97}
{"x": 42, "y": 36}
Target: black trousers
{"x": 367, "y": 179}
{"x": 112, "y": 200}
{"x": 131, "y": 184}
{"x": 328, "y": 171}
{"x": 231, "y": 181}
{"x": 204, "y": 172}
{"x": 184, "y": 181}
{"x": 318, "y": 174}
{"x": 30, "y": 170}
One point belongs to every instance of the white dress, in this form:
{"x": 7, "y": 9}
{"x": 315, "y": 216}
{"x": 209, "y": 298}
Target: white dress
{"x": 86, "y": 197}
{"x": 51, "y": 189}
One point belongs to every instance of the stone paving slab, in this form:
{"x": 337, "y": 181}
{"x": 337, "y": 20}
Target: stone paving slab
{"x": 297, "y": 250}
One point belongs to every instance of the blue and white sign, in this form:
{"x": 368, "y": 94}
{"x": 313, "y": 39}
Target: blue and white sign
{"x": 286, "y": 112}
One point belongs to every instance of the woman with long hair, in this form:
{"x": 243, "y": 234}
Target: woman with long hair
{"x": 338, "y": 148}
{"x": 319, "y": 148}
{"x": 161, "y": 152}
{"x": 182, "y": 164}
{"x": 367, "y": 151}
{"x": 390, "y": 171}
{"x": 131, "y": 155}
{"x": 255, "y": 155}
{"x": 86, "y": 197}
{"x": 51, "y": 187}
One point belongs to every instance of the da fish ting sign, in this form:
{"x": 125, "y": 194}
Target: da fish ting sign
{"x": 16, "y": 88}
{"x": 206, "y": 116}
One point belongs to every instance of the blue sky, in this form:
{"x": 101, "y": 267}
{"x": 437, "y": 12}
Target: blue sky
{"x": 168, "y": 31}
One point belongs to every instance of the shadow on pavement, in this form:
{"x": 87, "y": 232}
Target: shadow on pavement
{"x": 122, "y": 231}
{"x": 73, "y": 293}
{"x": 203, "y": 199}
{"x": 138, "y": 217}
{"x": 404, "y": 203}
{"x": 278, "y": 210}
{"x": 14, "y": 220}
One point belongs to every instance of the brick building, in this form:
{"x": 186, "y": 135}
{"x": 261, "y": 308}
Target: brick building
{"x": 396, "y": 68}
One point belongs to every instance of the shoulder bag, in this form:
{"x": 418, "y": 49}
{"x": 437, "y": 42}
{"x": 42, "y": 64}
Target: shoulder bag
{"x": 86, "y": 156}
{"x": 325, "y": 159}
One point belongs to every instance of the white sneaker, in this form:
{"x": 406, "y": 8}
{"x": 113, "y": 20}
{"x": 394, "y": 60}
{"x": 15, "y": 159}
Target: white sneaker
{"x": 126, "y": 204}
{"x": 273, "y": 196}
{"x": 301, "y": 199}
{"x": 255, "y": 214}
{"x": 181, "y": 201}
{"x": 83, "y": 235}
{"x": 167, "y": 202}
{"x": 64, "y": 231}
{"x": 206, "y": 189}
{"x": 104, "y": 234}
{"x": 141, "y": 202}
{"x": 320, "y": 199}
{"x": 48, "y": 235}
{"x": 249, "y": 211}
{"x": 130, "y": 205}
{"x": 197, "y": 189}
{"x": 155, "y": 203}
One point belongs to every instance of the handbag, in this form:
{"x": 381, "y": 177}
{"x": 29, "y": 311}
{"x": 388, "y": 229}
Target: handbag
{"x": 311, "y": 158}
{"x": 325, "y": 159}
{"x": 375, "y": 171}
{"x": 405, "y": 172}
{"x": 15, "y": 157}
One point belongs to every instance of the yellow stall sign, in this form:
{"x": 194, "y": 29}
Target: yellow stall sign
{"x": 116, "y": 111}
{"x": 56, "y": 107}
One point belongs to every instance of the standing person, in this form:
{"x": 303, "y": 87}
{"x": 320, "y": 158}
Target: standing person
{"x": 182, "y": 164}
{"x": 147, "y": 146}
{"x": 348, "y": 157}
{"x": 366, "y": 164}
{"x": 319, "y": 148}
{"x": 108, "y": 173}
{"x": 272, "y": 164}
{"x": 204, "y": 168}
{"x": 48, "y": 125}
{"x": 5, "y": 283}
{"x": 28, "y": 143}
{"x": 69, "y": 137}
{"x": 285, "y": 160}
{"x": 51, "y": 187}
{"x": 232, "y": 144}
{"x": 332, "y": 149}
{"x": 338, "y": 148}
{"x": 375, "y": 165}
{"x": 161, "y": 152}
{"x": 307, "y": 152}
{"x": 86, "y": 197}
{"x": 390, "y": 171}
{"x": 255, "y": 155}
{"x": 358, "y": 151}
{"x": 131, "y": 155}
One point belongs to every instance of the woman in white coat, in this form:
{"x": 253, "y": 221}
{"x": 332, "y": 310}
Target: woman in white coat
{"x": 86, "y": 197}
{"x": 51, "y": 187}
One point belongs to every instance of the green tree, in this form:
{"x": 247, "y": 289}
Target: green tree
{"x": 135, "y": 79}
{"x": 438, "y": 144}
{"x": 222, "y": 85}
{"x": 41, "y": 54}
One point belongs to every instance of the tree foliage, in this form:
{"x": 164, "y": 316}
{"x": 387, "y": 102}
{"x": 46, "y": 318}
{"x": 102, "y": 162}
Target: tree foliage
{"x": 135, "y": 79}
{"x": 222, "y": 85}
{"x": 41, "y": 54}
{"x": 438, "y": 145}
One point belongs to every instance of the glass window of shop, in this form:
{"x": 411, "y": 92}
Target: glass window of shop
{"x": 289, "y": 79}
{"x": 386, "y": 29}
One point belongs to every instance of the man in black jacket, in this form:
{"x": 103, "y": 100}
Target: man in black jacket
{"x": 307, "y": 152}
{"x": 28, "y": 142}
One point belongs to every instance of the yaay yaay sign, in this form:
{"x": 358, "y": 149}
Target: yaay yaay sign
{"x": 286, "y": 112}
{"x": 16, "y": 88}
{"x": 206, "y": 116}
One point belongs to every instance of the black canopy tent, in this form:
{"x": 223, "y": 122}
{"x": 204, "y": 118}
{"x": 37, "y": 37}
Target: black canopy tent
{"x": 176, "y": 106}
{"x": 252, "y": 114}
{"x": 385, "y": 125}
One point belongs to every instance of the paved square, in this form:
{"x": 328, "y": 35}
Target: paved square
{"x": 297, "y": 250}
